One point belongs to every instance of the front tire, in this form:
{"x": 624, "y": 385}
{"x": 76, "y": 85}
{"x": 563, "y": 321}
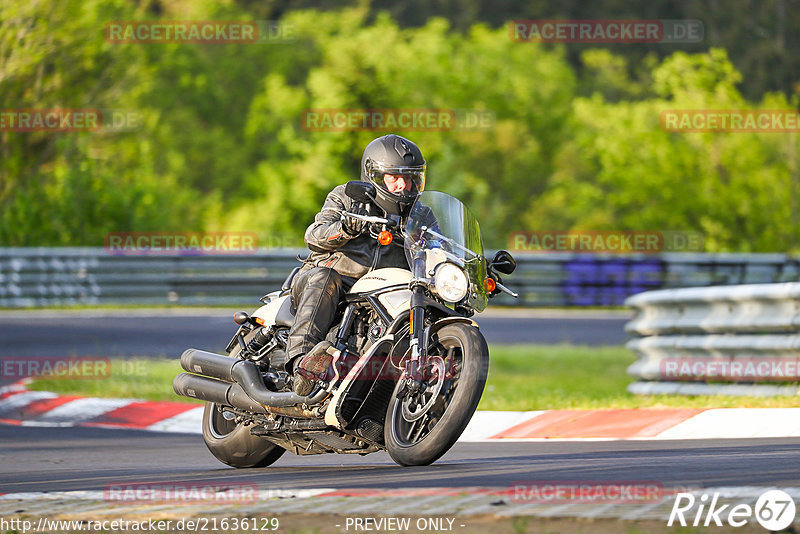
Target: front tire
{"x": 463, "y": 350}
{"x": 232, "y": 443}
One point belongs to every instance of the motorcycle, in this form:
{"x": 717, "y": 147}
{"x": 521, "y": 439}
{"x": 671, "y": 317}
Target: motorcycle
{"x": 409, "y": 365}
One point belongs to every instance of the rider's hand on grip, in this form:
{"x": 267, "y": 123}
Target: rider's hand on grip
{"x": 352, "y": 226}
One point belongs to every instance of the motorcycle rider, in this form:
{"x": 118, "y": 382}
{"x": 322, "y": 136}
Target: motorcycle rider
{"x": 342, "y": 250}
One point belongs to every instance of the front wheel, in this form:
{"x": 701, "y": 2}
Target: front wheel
{"x": 421, "y": 427}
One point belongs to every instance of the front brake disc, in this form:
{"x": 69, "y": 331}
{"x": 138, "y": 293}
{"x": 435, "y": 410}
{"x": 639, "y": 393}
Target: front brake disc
{"x": 424, "y": 400}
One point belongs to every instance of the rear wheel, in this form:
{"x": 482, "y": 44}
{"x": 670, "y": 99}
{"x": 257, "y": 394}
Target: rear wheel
{"x": 232, "y": 443}
{"x": 421, "y": 427}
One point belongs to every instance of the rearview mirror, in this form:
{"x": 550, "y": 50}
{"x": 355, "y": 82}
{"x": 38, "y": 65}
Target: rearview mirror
{"x": 360, "y": 191}
{"x": 503, "y": 262}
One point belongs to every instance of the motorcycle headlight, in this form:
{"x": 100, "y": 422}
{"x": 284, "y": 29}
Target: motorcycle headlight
{"x": 451, "y": 282}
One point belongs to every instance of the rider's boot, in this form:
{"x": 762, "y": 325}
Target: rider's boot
{"x": 312, "y": 367}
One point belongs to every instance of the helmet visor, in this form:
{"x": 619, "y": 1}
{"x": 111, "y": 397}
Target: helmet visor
{"x": 398, "y": 180}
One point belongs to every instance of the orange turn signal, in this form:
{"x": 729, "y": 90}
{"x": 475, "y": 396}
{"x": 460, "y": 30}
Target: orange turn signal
{"x": 385, "y": 237}
{"x": 489, "y": 284}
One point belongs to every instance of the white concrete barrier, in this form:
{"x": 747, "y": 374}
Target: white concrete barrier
{"x": 722, "y": 335}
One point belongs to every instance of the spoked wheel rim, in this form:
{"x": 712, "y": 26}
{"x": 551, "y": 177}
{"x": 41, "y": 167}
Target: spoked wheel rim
{"x": 218, "y": 425}
{"x": 416, "y": 416}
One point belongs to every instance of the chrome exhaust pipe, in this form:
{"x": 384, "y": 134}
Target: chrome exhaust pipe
{"x": 245, "y": 374}
{"x": 208, "y": 389}
{"x": 205, "y": 363}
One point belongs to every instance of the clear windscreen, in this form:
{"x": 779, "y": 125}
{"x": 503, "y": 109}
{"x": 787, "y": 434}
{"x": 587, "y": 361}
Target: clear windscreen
{"x": 440, "y": 221}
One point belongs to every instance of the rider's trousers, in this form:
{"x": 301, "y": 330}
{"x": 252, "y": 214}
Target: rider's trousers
{"x": 315, "y": 296}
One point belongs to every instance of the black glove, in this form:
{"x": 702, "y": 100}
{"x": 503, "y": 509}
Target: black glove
{"x": 352, "y": 226}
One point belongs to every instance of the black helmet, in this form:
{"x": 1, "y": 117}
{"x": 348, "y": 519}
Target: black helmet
{"x": 396, "y": 166}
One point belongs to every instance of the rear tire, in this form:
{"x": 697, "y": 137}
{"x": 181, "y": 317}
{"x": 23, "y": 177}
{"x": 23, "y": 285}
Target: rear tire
{"x": 471, "y": 379}
{"x": 232, "y": 443}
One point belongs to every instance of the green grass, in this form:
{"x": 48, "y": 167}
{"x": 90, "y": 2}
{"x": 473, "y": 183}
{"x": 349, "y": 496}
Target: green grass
{"x": 547, "y": 377}
{"x": 140, "y": 378}
{"x": 521, "y": 377}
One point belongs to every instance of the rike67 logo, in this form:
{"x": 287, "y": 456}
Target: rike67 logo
{"x": 774, "y": 510}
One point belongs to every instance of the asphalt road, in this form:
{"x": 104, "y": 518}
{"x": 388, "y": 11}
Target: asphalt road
{"x": 53, "y": 459}
{"x": 169, "y": 334}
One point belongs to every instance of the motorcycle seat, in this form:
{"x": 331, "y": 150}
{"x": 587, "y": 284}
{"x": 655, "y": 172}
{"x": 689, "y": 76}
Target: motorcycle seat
{"x": 287, "y": 284}
{"x": 285, "y": 315}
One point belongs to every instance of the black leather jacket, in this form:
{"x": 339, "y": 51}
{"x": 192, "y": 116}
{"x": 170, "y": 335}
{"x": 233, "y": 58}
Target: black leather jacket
{"x": 352, "y": 256}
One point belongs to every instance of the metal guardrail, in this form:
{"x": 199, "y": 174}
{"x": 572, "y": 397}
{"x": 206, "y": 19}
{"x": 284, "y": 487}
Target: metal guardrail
{"x": 91, "y": 276}
{"x": 568, "y": 279}
{"x": 35, "y": 277}
{"x": 742, "y": 340}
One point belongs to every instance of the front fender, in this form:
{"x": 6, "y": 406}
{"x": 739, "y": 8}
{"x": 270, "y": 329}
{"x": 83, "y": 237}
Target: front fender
{"x": 448, "y": 320}
{"x": 435, "y": 327}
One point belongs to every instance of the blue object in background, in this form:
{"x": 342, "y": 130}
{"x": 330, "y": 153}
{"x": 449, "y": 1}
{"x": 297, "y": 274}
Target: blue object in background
{"x": 597, "y": 281}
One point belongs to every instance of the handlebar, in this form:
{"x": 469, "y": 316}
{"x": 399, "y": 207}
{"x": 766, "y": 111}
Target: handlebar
{"x": 504, "y": 289}
{"x": 369, "y": 218}
{"x": 390, "y": 223}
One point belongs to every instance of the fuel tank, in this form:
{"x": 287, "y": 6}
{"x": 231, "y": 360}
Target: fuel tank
{"x": 395, "y": 302}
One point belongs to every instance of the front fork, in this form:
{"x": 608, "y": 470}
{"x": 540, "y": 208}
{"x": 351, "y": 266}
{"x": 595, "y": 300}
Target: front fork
{"x": 418, "y": 345}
